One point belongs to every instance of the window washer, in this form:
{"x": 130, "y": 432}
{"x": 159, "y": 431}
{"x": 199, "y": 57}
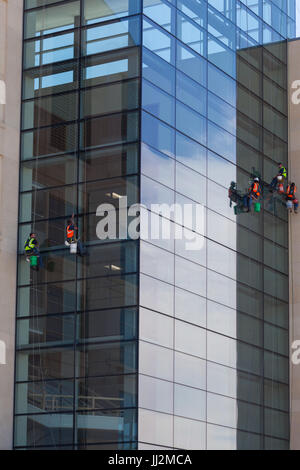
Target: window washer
{"x": 292, "y": 201}
{"x": 31, "y": 248}
{"x": 280, "y": 177}
{"x": 233, "y": 193}
{"x": 71, "y": 235}
{"x": 254, "y": 194}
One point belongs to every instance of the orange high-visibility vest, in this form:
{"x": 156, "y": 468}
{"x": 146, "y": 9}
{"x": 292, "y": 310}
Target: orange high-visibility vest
{"x": 255, "y": 189}
{"x": 70, "y": 233}
{"x": 291, "y": 192}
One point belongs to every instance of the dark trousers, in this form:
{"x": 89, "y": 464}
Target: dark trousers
{"x": 274, "y": 183}
{"x": 248, "y": 202}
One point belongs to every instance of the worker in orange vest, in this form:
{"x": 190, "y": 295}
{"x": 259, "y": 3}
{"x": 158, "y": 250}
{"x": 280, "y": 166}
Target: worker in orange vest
{"x": 291, "y": 197}
{"x": 71, "y": 235}
{"x": 253, "y": 194}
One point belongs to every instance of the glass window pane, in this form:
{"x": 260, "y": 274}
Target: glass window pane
{"x": 108, "y": 37}
{"x": 108, "y": 162}
{"x": 155, "y": 394}
{"x": 190, "y": 153}
{"x": 190, "y": 276}
{"x": 102, "y": 426}
{"x": 156, "y": 295}
{"x": 158, "y": 135}
{"x": 49, "y": 299}
{"x": 106, "y": 359}
{"x": 158, "y": 71}
{"x": 189, "y": 402}
{"x": 50, "y": 79}
{"x": 96, "y": 393}
{"x": 158, "y": 103}
{"x": 37, "y": 397}
{"x": 156, "y": 262}
{"x": 103, "y": 10}
{"x": 110, "y": 67}
{"x": 50, "y": 50}
{"x": 107, "y": 325}
{"x": 158, "y": 166}
{"x": 52, "y": 19}
{"x": 48, "y": 172}
{"x": 155, "y": 328}
{"x": 110, "y": 99}
{"x": 159, "y": 42}
{"x": 49, "y": 111}
{"x": 46, "y": 331}
{"x": 109, "y": 130}
{"x": 49, "y": 141}
{"x": 55, "y": 363}
{"x": 190, "y": 307}
{"x": 48, "y": 429}
{"x": 190, "y": 339}
{"x": 107, "y": 292}
{"x": 190, "y": 370}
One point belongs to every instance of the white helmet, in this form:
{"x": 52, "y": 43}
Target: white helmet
{"x": 256, "y": 179}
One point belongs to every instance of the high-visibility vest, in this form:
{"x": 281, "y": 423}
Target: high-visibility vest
{"x": 30, "y": 245}
{"x": 70, "y": 233}
{"x": 291, "y": 192}
{"x": 255, "y": 189}
{"x": 283, "y": 172}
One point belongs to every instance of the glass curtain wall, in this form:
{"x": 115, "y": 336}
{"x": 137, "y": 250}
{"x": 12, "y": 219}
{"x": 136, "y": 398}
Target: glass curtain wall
{"x": 212, "y": 322}
{"x": 76, "y": 362}
{"x": 214, "y": 109}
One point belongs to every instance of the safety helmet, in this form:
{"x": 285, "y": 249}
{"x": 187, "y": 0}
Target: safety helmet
{"x": 256, "y": 179}
{"x": 279, "y": 178}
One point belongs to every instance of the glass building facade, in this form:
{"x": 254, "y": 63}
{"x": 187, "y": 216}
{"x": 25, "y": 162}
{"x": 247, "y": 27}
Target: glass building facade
{"x": 144, "y": 343}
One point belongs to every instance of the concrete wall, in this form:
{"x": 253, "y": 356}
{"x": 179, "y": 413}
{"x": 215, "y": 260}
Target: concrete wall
{"x": 10, "y": 86}
{"x": 294, "y": 222}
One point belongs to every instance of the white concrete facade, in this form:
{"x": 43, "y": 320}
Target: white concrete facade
{"x": 11, "y": 13}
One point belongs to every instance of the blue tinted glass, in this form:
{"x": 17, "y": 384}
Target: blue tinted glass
{"x": 221, "y": 113}
{"x": 191, "y": 34}
{"x": 158, "y": 103}
{"x": 107, "y": 37}
{"x": 191, "y": 93}
{"x": 191, "y": 123}
{"x": 190, "y": 153}
{"x": 158, "y": 71}
{"x": 221, "y": 28}
{"x": 191, "y": 64}
{"x": 222, "y": 85}
{"x": 227, "y": 9}
{"x": 221, "y": 142}
{"x": 195, "y": 10}
{"x": 158, "y": 134}
{"x": 159, "y": 41}
{"x": 162, "y": 13}
{"x": 221, "y": 56}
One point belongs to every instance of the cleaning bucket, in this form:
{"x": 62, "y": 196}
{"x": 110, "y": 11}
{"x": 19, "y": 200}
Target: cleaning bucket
{"x": 73, "y": 248}
{"x": 289, "y": 205}
{"x": 280, "y": 188}
{"x": 34, "y": 262}
{"x": 257, "y": 207}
